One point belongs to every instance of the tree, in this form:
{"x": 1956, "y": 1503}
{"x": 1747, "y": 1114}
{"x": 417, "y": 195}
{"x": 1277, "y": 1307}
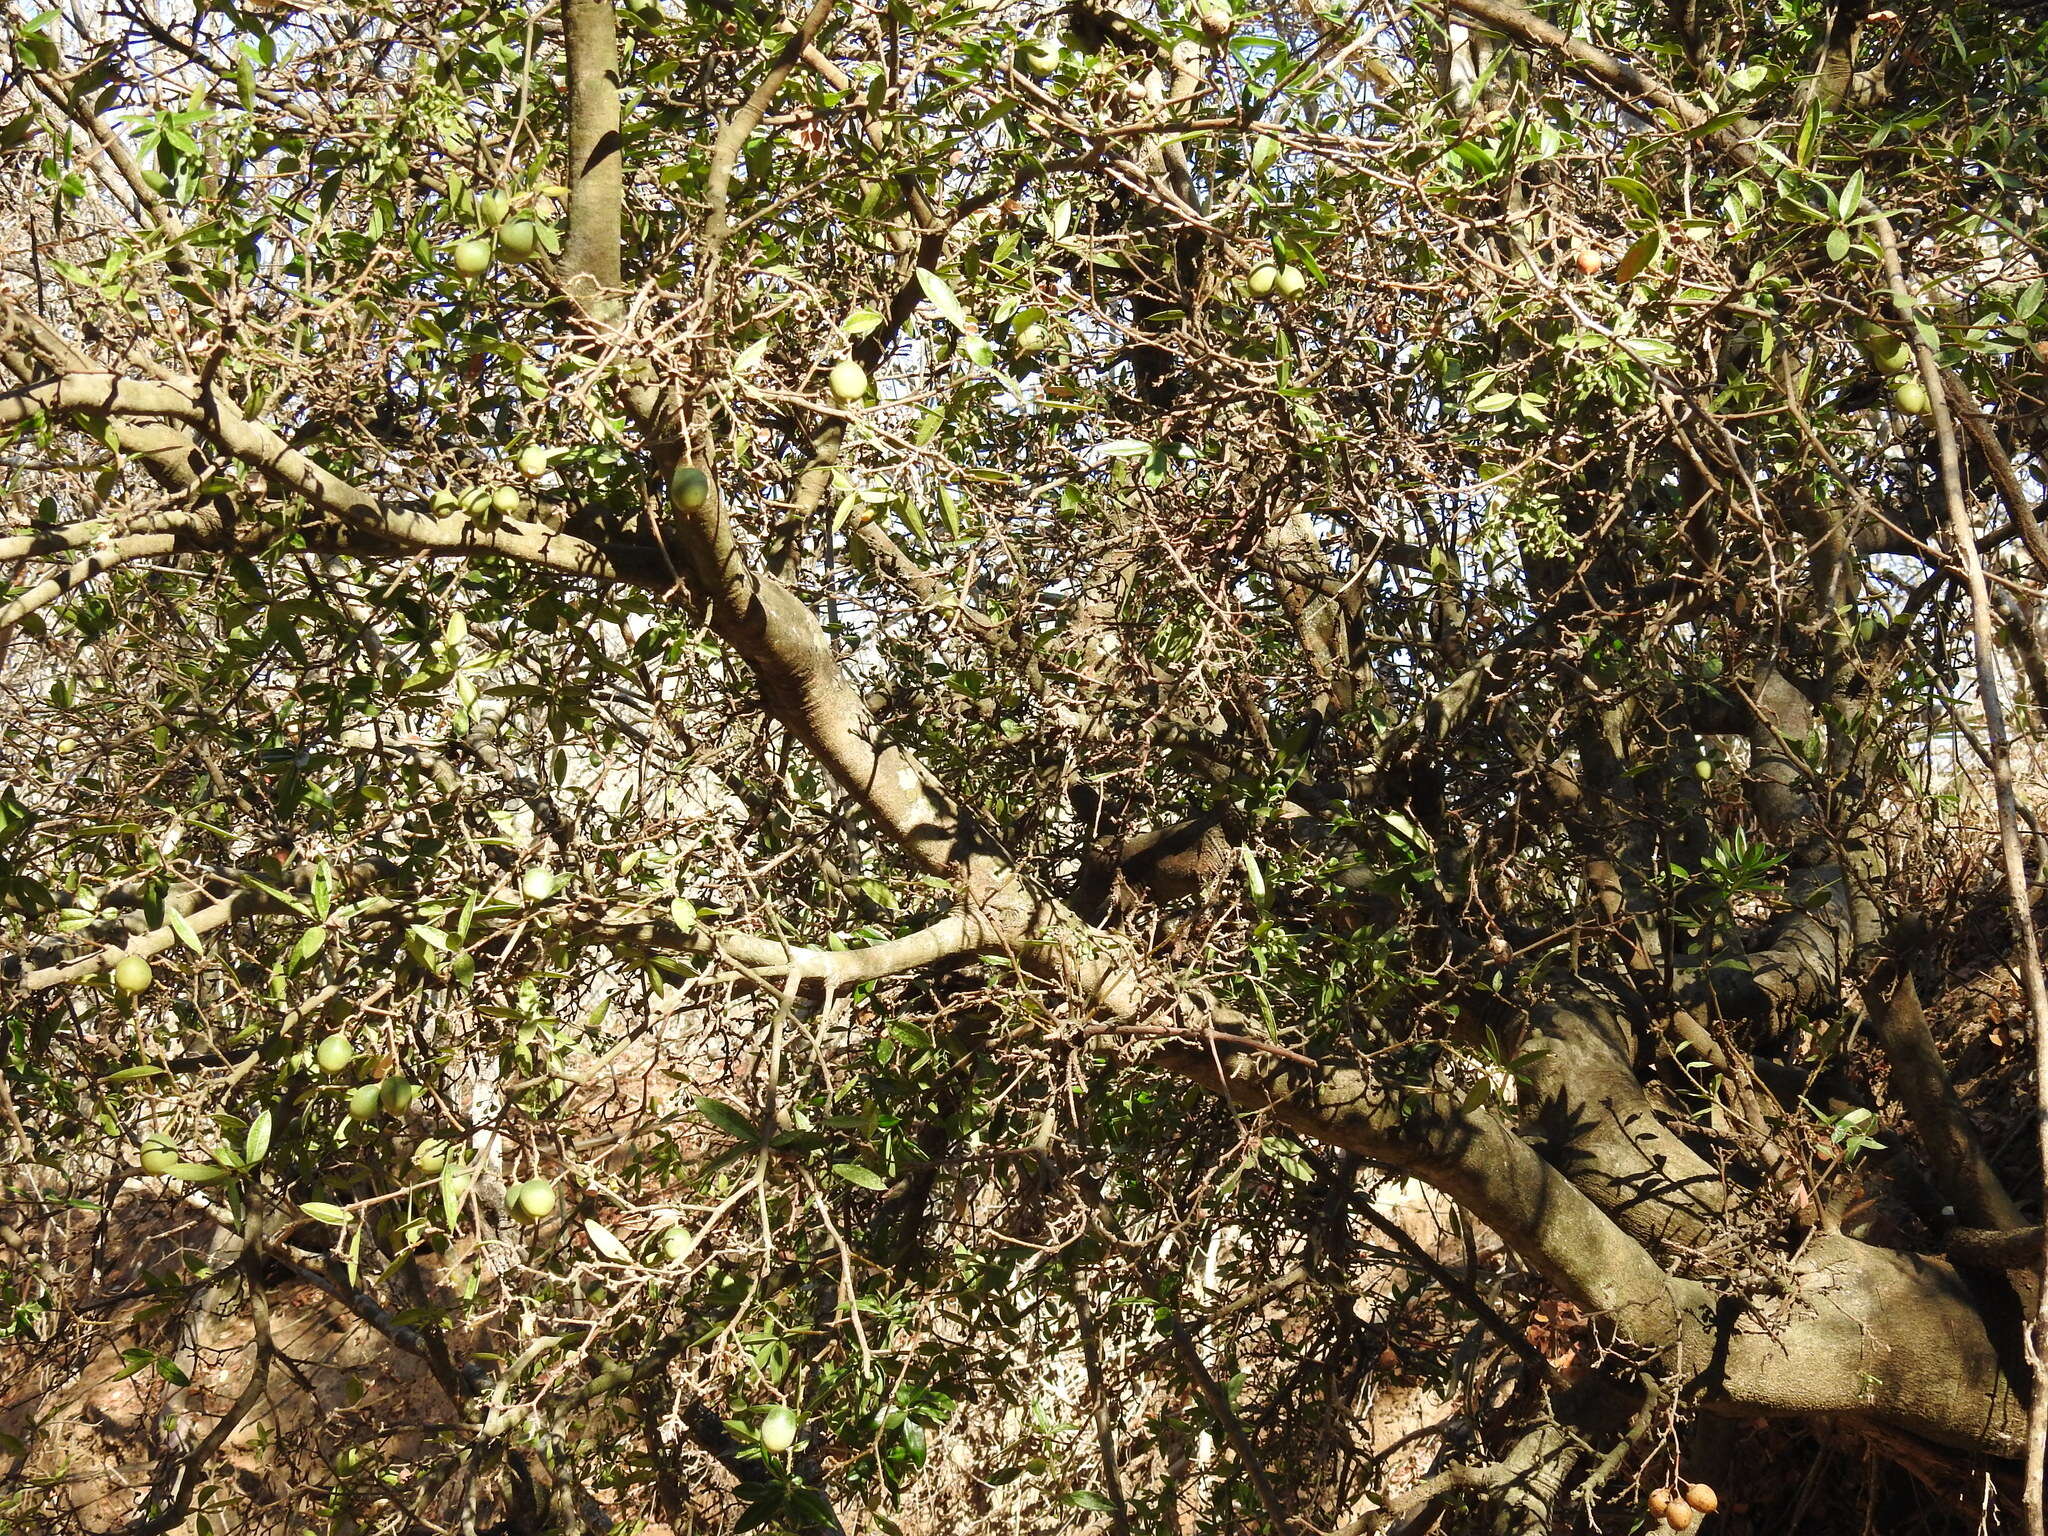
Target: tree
{"x": 1389, "y": 594}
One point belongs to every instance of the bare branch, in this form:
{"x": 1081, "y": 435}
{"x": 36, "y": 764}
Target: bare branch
{"x": 1963, "y": 536}
{"x": 117, "y": 553}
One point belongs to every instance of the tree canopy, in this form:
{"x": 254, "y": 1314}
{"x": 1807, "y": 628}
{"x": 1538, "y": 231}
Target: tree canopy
{"x": 977, "y": 765}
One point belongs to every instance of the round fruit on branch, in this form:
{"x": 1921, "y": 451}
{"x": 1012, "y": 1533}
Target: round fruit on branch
{"x": 848, "y": 381}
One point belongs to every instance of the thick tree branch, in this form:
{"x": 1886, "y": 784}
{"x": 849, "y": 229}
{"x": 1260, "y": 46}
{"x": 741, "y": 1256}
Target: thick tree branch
{"x": 797, "y": 967}
{"x": 590, "y": 266}
{"x": 1601, "y": 1131}
{"x": 1919, "y": 1077}
{"x": 1966, "y": 410}
{"x": 117, "y": 553}
{"x": 1987, "y": 1248}
{"x": 1473, "y": 1156}
{"x": 192, "y": 1468}
{"x": 732, "y": 137}
{"x": 216, "y": 418}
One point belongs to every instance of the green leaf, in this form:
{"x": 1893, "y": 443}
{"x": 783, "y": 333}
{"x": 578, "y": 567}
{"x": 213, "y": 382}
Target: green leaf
{"x": 602, "y": 1239}
{"x": 853, "y": 1173}
{"x": 1639, "y": 255}
{"x": 1638, "y": 193}
{"x": 198, "y": 1173}
{"x": 182, "y": 928}
{"x": 1851, "y": 196}
{"x": 454, "y": 1183}
{"x": 257, "y": 1142}
{"x": 284, "y": 899}
{"x": 130, "y": 1074}
{"x": 729, "y": 1120}
{"x": 1254, "y": 877}
{"x": 940, "y": 293}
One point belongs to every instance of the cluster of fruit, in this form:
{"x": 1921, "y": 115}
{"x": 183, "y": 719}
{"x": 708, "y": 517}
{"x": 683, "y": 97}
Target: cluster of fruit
{"x": 1271, "y": 279}
{"x": 1679, "y": 1510}
{"x": 390, "y": 1095}
{"x": 517, "y": 239}
{"x": 1892, "y": 356}
{"x": 479, "y": 501}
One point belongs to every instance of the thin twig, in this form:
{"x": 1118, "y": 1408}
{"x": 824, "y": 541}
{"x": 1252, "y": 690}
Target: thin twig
{"x": 1982, "y": 629}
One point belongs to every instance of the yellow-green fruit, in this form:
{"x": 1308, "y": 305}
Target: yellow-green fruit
{"x": 132, "y": 974}
{"x": 538, "y": 883}
{"x": 1040, "y": 57}
{"x": 473, "y": 258}
{"x": 362, "y": 1103}
{"x": 506, "y": 500}
{"x": 1891, "y": 356}
{"x": 778, "y": 1430}
{"x": 1263, "y": 277}
{"x": 431, "y": 1155}
{"x": 1029, "y": 340}
{"x": 1291, "y": 283}
{"x": 492, "y": 209}
{"x": 1910, "y": 396}
{"x": 443, "y": 501}
{"x": 334, "y": 1054}
{"x": 533, "y": 461}
{"x": 531, "y": 1202}
{"x": 849, "y": 381}
{"x": 157, "y": 1159}
{"x": 689, "y": 488}
{"x": 395, "y": 1095}
{"x": 1703, "y": 770}
{"x": 675, "y": 1245}
{"x": 519, "y": 239}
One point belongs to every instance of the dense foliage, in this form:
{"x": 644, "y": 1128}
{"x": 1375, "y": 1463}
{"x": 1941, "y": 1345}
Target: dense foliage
{"x": 774, "y": 770}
